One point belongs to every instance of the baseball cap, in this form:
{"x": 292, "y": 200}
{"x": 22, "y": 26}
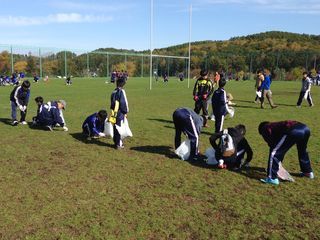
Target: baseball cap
{"x": 64, "y": 103}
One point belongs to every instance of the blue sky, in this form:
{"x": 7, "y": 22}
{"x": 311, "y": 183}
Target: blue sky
{"x": 91, "y": 24}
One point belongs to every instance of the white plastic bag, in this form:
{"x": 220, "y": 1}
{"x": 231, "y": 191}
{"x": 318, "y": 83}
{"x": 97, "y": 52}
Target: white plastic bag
{"x": 183, "y": 151}
{"x": 283, "y": 174}
{"x": 124, "y": 130}
{"x": 231, "y": 111}
{"x": 259, "y": 93}
{"x": 211, "y": 156}
{"x": 108, "y": 129}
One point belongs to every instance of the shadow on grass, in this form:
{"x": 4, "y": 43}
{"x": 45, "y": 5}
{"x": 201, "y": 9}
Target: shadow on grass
{"x": 253, "y": 172}
{"x": 82, "y": 138}
{"x": 6, "y": 121}
{"x": 161, "y": 150}
{"x": 160, "y": 120}
{"x": 253, "y": 107}
{"x": 286, "y": 105}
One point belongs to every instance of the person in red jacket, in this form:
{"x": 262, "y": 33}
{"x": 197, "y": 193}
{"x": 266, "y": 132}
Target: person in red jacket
{"x": 281, "y": 136}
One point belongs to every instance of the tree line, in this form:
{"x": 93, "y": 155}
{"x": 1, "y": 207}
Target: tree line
{"x": 286, "y": 54}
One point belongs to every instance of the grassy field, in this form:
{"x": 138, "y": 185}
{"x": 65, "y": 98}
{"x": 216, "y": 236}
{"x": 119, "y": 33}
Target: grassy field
{"x": 58, "y": 185}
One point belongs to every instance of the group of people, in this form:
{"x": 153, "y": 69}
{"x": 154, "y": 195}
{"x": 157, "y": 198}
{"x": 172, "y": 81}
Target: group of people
{"x": 49, "y": 115}
{"x": 230, "y": 144}
{"x": 11, "y": 80}
{"x": 94, "y": 125}
{"x": 115, "y": 74}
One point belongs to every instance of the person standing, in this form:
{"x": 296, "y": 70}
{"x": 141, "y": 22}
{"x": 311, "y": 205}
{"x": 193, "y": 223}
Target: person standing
{"x": 202, "y": 90}
{"x": 220, "y": 105}
{"x": 305, "y": 91}
{"x": 265, "y": 89}
{"x": 190, "y": 123}
{"x": 19, "y": 98}
{"x": 119, "y": 110}
{"x": 280, "y": 137}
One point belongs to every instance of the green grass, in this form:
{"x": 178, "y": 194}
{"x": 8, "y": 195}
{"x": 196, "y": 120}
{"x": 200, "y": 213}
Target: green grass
{"x": 57, "y": 185}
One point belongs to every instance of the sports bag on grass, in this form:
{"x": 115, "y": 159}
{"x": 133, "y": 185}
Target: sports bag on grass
{"x": 211, "y": 156}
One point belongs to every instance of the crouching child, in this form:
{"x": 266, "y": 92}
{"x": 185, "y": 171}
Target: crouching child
{"x": 93, "y": 126}
{"x": 231, "y": 147}
{"x": 50, "y": 115}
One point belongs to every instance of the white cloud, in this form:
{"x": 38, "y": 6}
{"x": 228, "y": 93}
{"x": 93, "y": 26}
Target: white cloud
{"x": 274, "y": 6}
{"x": 53, "y": 18}
{"x": 90, "y": 7}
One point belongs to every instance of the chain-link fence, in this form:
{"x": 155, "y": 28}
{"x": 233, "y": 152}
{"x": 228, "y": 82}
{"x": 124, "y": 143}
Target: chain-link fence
{"x": 52, "y": 62}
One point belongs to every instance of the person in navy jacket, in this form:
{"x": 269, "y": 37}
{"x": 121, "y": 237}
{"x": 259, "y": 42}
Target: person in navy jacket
{"x": 93, "y": 126}
{"x": 281, "y": 136}
{"x": 50, "y": 115}
{"x": 19, "y": 98}
{"x": 119, "y": 95}
{"x": 190, "y": 123}
{"x": 220, "y": 105}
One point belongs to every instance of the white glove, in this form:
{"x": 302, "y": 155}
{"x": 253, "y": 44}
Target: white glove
{"x": 21, "y": 108}
{"x": 101, "y": 134}
{"x": 65, "y": 129}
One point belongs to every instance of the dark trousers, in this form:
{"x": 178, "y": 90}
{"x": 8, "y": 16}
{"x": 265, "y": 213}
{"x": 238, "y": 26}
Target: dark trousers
{"x": 116, "y": 135}
{"x": 184, "y": 123}
{"x": 298, "y": 135}
{"x": 309, "y": 98}
{"x": 86, "y": 130}
{"x": 219, "y": 119}
{"x": 201, "y": 105}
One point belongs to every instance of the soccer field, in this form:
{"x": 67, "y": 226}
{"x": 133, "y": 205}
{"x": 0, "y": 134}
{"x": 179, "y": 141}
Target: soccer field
{"x": 59, "y": 185}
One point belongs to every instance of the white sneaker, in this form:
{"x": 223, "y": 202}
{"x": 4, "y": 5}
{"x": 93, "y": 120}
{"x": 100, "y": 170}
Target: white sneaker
{"x": 15, "y": 123}
{"x": 24, "y": 123}
{"x": 49, "y": 128}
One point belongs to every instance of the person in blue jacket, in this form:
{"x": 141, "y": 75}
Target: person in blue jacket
{"x": 120, "y": 108}
{"x": 190, "y": 123}
{"x": 220, "y": 105}
{"x": 93, "y": 126}
{"x": 50, "y": 115}
{"x": 19, "y": 98}
{"x": 280, "y": 137}
{"x": 265, "y": 89}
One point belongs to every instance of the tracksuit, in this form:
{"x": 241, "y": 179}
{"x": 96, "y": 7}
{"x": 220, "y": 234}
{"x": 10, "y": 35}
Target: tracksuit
{"x": 92, "y": 126}
{"x": 305, "y": 89}
{"x": 19, "y": 97}
{"x": 220, "y": 108}
{"x": 50, "y": 115}
{"x": 281, "y": 136}
{"x": 119, "y": 95}
{"x": 190, "y": 123}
